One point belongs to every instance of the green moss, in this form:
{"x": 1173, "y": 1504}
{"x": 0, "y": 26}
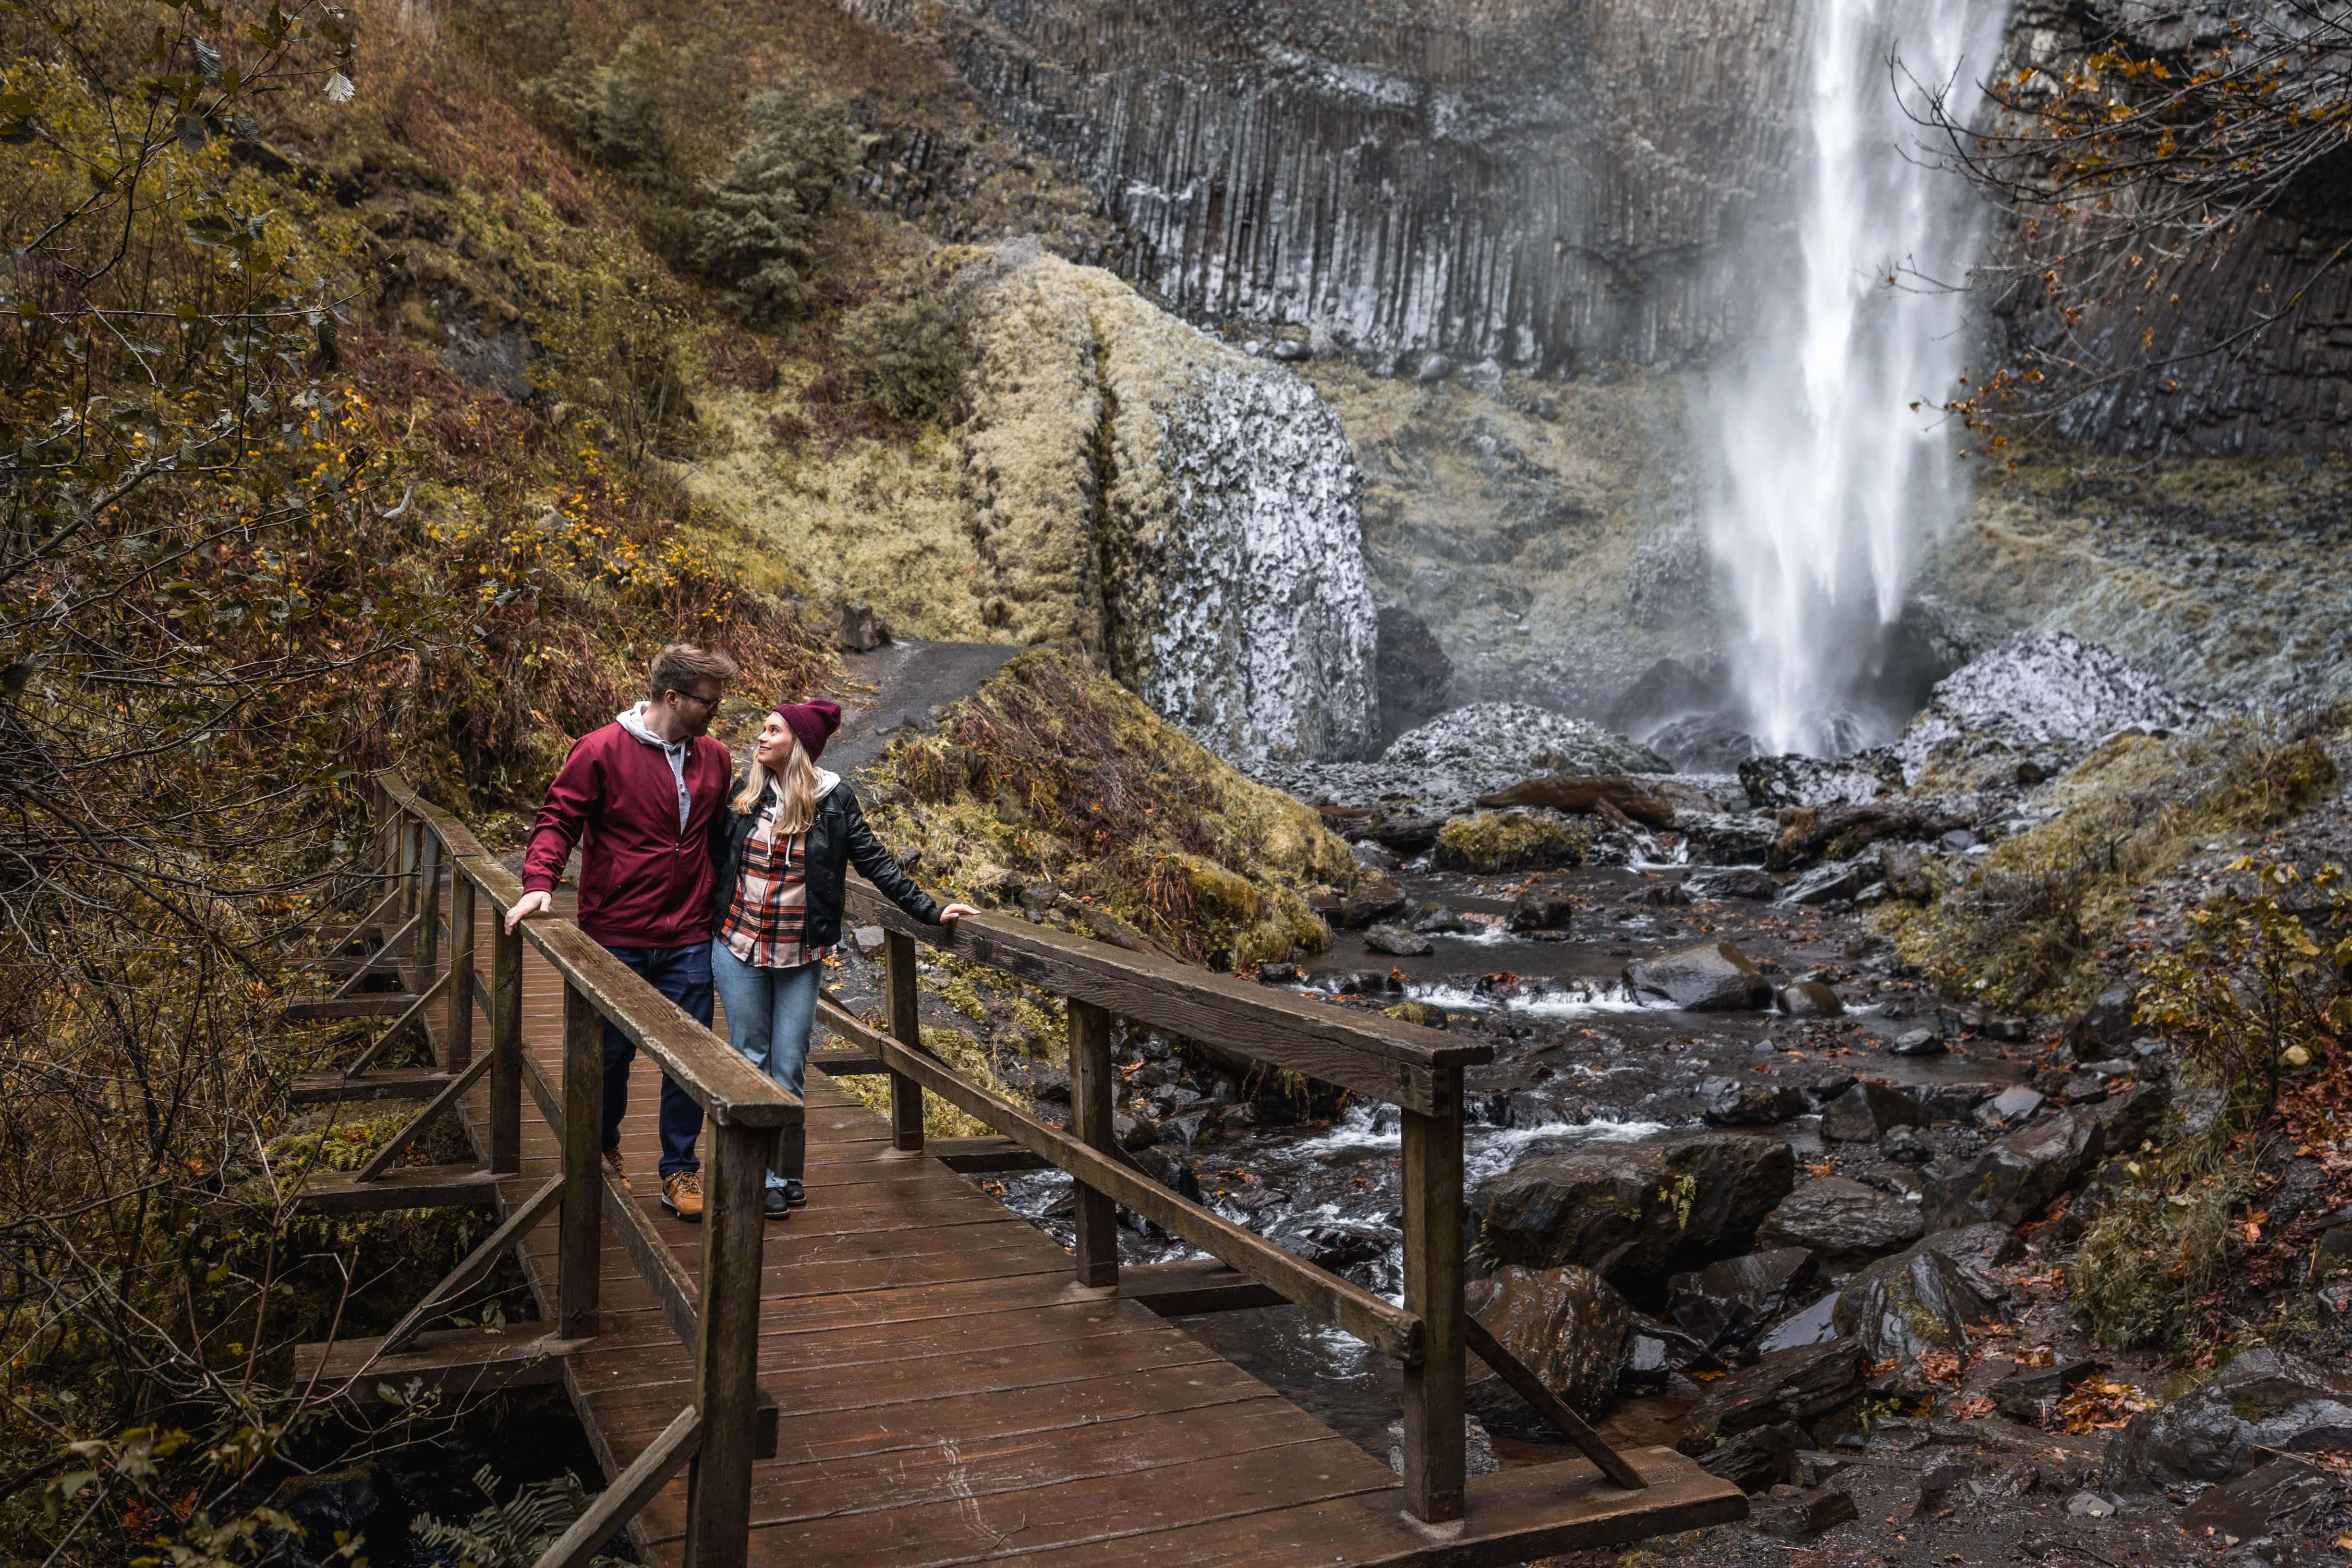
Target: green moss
{"x": 1420, "y": 1013}
{"x": 1494, "y": 841}
{"x": 2024, "y": 932}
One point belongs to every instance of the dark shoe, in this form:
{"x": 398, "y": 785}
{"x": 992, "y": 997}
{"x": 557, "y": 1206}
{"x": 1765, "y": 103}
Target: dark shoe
{"x": 775, "y": 1205}
{"x": 682, "y": 1195}
{"x": 794, "y": 1194}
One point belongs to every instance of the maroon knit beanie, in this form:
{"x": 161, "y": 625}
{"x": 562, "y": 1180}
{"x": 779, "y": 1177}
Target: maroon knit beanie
{"x": 812, "y": 722}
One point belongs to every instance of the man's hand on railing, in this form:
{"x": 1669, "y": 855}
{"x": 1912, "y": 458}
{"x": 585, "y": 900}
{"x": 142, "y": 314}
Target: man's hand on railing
{"x": 529, "y": 904}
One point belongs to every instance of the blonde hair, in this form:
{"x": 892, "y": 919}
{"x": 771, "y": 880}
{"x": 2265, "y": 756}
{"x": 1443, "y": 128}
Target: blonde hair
{"x": 798, "y": 784}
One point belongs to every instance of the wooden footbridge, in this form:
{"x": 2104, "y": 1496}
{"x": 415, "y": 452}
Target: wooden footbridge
{"x": 906, "y": 1373}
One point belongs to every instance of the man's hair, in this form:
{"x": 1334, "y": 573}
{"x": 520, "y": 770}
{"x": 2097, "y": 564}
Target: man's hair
{"x": 682, "y": 667}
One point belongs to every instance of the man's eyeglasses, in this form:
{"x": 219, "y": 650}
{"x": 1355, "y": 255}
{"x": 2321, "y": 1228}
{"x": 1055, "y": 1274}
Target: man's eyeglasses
{"x": 698, "y": 697}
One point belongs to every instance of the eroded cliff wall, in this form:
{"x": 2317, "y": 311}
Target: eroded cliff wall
{"x": 1551, "y": 184}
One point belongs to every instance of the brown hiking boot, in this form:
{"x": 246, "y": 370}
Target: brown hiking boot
{"x": 682, "y": 1195}
{"x": 613, "y": 1163}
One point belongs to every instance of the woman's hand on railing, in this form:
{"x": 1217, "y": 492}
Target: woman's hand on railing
{"x": 955, "y": 912}
{"x": 529, "y": 904}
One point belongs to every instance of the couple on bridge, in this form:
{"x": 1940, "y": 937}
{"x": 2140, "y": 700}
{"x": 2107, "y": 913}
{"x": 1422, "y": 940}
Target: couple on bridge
{"x": 696, "y": 876}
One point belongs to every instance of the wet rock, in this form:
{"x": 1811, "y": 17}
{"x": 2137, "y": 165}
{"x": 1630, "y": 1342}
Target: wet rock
{"x": 1919, "y": 1043}
{"x": 1584, "y": 795}
{"x": 1739, "y": 883}
{"x": 1756, "y": 1104}
{"x": 1438, "y": 921}
{"x": 1398, "y": 941}
{"x": 1167, "y": 1168}
{"x": 1133, "y": 1132}
{"x": 335, "y": 1501}
{"x": 1865, "y": 1113}
{"x": 1902, "y": 867}
{"x": 2016, "y": 1178}
{"x": 1801, "y": 1385}
{"x": 2104, "y": 1024}
{"x": 2015, "y": 1103}
{"x": 1905, "y": 1146}
{"x": 1936, "y": 1483}
{"x": 1427, "y": 1014}
{"x": 1278, "y": 973}
{"x": 1710, "y": 977}
{"x": 1728, "y": 1303}
{"x": 1729, "y": 839}
{"x": 2089, "y": 1505}
{"x": 1828, "y": 883}
{"x": 1810, "y": 1325}
{"x": 1371, "y": 906}
{"x": 1539, "y": 909}
{"x": 1658, "y": 896}
{"x": 1794, "y": 779}
{"x": 1758, "y": 1459}
{"x": 1404, "y": 832}
{"x": 1478, "y": 1448}
{"x": 1637, "y": 1209}
{"x": 1810, "y": 999}
{"x": 1337, "y": 1247}
{"x": 1901, "y": 1314}
{"x": 1795, "y": 1514}
{"x": 1843, "y": 1222}
{"x": 1566, "y": 1325}
{"x": 2263, "y": 1400}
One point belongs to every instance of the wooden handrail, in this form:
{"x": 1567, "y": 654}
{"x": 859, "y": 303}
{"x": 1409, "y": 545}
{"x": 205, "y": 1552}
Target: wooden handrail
{"x": 1391, "y": 1329}
{"x": 1401, "y": 1064}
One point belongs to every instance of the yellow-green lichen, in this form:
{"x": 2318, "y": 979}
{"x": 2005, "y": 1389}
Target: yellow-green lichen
{"x": 1494, "y": 841}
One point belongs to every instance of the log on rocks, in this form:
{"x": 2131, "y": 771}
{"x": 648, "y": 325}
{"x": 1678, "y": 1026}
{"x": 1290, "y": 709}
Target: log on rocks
{"x": 1835, "y": 832}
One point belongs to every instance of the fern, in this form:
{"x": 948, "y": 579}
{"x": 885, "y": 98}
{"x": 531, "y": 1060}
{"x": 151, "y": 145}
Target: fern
{"x": 511, "y": 1535}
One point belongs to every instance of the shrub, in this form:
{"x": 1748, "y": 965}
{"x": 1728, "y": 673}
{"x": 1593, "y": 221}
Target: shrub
{"x": 909, "y": 351}
{"x": 753, "y": 233}
{"x": 2161, "y": 1244}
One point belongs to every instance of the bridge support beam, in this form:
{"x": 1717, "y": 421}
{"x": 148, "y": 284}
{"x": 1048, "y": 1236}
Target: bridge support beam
{"x": 1091, "y": 1080}
{"x": 1433, "y": 1459}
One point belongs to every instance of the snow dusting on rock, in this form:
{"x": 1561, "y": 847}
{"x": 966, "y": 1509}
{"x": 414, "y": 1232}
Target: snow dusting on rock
{"x": 2046, "y": 691}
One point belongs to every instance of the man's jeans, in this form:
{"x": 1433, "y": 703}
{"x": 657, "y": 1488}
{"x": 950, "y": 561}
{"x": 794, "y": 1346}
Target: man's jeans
{"x": 682, "y": 974}
{"x": 770, "y": 1013}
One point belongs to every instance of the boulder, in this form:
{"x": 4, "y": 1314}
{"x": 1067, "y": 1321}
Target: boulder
{"x": 1905, "y": 1146}
{"x": 1845, "y": 1223}
{"x": 2016, "y": 1103}
{"x": 1438, "y": 921}
{"x": 1799, "y": 1513}
{"x": 1728, "y": 1303}
{"x": 1584, "y": 795}
{"x": 1828, "y": 883}
{"x": 1566, "y": 1325}
{"x": 1810, "y": 999}
{"x": 1739, "y": 883}
{"x": 1810, "y": 1325}
{"x": 2030, "y": 1393}
{"x": 1756, "y": 1104}
{"x": 2018, "y": 1176}
{"x": 1706, "y": 744}
{"x": 1759, "y": 1458}
{"x": 1734, "y": 840}
{"x": 1919, "y": 1043}
{"x": 2264, "y": 1400}
{"x": 2280, "y": 1498}
{"x": 1368, "y": 907}
{"x": 2104, "y": 1024}
{"x": 857, "y": 629}
{"x": 1404, "y": 832}
{"x": 1709, "y": 977}
{"x": 1637, "y": 1209}
{"x": 1519, "y": 738}
{"x": 1541, "y": 909}
{"x": 1901, "y": 1314}
{"x": 1801, "y": 1385}
{"x": 1398, "y": 941}
{"x": 1866, "y": 1111}
{"x": 1794, "y": 779}
{"x": 2040, "y": 692}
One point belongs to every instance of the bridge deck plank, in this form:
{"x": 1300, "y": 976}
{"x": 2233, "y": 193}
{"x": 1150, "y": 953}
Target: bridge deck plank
{"x": 947, "y": 1394}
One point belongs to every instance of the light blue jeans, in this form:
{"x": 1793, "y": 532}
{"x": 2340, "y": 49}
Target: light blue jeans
{"x": 769, "y": 1014}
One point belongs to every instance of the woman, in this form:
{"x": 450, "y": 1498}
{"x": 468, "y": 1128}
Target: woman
{"x": 779, "y": 854}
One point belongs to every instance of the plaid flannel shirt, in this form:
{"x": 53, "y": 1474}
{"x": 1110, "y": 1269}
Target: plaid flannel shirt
{"x": 767, "y": 917}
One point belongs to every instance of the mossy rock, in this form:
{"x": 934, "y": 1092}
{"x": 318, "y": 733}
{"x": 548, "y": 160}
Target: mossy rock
{"x": 1511, "y": 841}
{"x": 1420, "y": 1013}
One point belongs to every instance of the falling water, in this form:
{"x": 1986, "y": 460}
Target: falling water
{"x": 1835, "y": 462}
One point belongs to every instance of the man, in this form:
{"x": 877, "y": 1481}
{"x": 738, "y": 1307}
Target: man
{"x": 638, "y": 796}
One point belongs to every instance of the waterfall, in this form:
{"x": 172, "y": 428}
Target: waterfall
{"x": 1835, "y": 462}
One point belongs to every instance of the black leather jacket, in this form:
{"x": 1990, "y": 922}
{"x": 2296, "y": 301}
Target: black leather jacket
{"x": 837, "y": 838}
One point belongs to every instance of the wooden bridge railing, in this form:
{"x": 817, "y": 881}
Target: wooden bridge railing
{"x": 1418, "y": 1070}
{"x": 727, "y": 1424}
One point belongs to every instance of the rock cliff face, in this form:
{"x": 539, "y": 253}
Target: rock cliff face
{"x": 1549, "y": 184}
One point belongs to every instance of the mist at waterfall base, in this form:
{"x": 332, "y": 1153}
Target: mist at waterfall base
{"x": 1834, "y": 461}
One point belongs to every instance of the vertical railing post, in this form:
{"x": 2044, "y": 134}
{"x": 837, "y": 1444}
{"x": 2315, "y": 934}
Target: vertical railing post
{"x": 582, "y": 1226}
{"x": 506, "y": 1047}
{"x": 727, "y": 1351}
{"x": 1433, "y": 1459}
{"x": 429, "y": 893}
{"x": 459, "y": 1035}
{"x": 1091, "y": 1082}
{"x": 906, "y": 1027}
{"x": 404, "y": 857}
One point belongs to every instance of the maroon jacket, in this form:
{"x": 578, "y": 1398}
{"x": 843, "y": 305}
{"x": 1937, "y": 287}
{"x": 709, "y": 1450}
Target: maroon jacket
{"x": 644, "y": 881}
